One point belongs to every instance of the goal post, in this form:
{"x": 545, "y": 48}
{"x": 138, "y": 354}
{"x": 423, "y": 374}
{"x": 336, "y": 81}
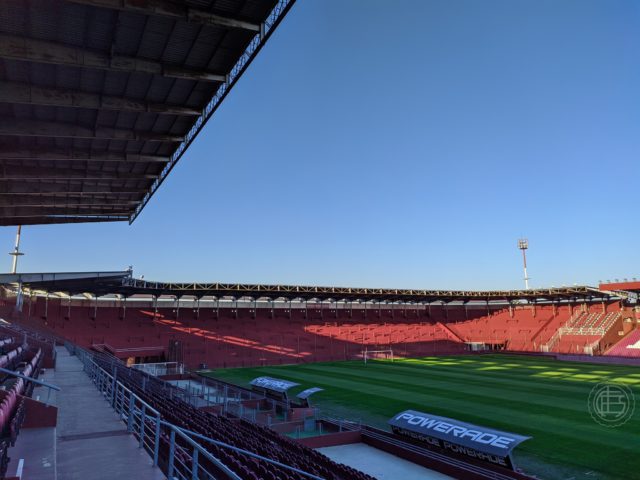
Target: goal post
{"x": 377, "y": 355}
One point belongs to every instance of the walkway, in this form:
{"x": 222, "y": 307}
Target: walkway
{"x": 379, "y": 464}
{"x": 92, "y": 443}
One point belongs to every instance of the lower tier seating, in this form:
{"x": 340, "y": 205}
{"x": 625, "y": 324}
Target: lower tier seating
{"x": 629, "y": 346}
{"x": 241, "y": 336}
{"x": 239, "y": 433}
{"x": 13, "y": 390}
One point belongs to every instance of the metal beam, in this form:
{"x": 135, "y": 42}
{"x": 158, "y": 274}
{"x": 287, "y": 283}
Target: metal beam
{"x": 39, "y": 128}
{"x": 61, "y": 201}
{"x": 72, "y": 194}
{"x": 23, "y": 93}
{"x": 6, "y": 212}
{"x": 163, "y": 8}
{"x": 63, "y": 187}
{"x": 41, "y": 51}
{"x": 55, "y": 154}
{"x": 44, "y": 219}
{"x": 17, "y": 173}
{"x": 88, "y": 177}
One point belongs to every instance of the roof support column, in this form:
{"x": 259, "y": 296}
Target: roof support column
{"x": 124, "y": 308}
{"x": 29, "y": 309}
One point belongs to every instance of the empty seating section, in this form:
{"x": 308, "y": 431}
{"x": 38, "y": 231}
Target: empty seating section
{"x": 586, "y": 321}
{"x": 238, "y": 433}
{"x": 516, "y": 329}
{"x": 584, "y": 330}
{"x": 234, "y": 336}
{"x": 629, "y": 346}
{"x": 521, "y": 328}
{"x": 12, "y": 392}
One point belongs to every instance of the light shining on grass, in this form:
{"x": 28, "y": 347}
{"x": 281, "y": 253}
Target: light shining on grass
{"x": 534, "y": 396}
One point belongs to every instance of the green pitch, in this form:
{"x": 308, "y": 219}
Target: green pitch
{"x": 540, "y": 397}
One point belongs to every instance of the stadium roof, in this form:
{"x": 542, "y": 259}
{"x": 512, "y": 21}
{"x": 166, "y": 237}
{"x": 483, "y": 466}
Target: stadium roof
{"x": 628, "y": 286}
{"x": 123, "y": 283}
{"x": 100, "y": 98}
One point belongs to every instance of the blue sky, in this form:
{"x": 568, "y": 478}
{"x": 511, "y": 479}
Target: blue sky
{"x": 402, "y": 144}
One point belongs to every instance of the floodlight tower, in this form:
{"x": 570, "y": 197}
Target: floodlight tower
{"x": 16, "y": 251}
{"x": 523, "y": 244}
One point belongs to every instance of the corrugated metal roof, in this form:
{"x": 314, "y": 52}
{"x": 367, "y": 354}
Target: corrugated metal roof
{"x": 100, "y": 98}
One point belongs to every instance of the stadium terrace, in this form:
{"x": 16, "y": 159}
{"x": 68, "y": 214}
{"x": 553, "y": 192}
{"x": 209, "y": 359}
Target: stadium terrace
{"x": 177, "y": 336}
{"x": 104, "y": 375}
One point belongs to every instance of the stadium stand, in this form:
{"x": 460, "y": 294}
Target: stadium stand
{"x": 237, "y": 446}
{"x": 629, "y": 346}
{"x": 236, "y": 334}
{"x": 238, "y": 433}
{"x": 13, "y": 391}
{"x": 243, "y": 332}
{"x": 241, "y": 336}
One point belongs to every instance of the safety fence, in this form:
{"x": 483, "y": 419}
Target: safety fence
{"x": 159, "y": 369}
{"x": 173, "y": 449}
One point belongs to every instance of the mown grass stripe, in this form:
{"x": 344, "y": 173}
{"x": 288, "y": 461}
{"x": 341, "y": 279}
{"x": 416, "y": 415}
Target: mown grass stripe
{"x": 504, "y": 392}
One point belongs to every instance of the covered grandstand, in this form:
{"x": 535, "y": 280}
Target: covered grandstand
{"x": 100, "y": 99}
{"x": 223, "y": 325}
{"x": 103, "y": 374}
{"x": 136, "y": 330}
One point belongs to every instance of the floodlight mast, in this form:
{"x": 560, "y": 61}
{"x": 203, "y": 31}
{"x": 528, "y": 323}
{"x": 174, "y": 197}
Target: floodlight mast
{"x": 523, "y": 244}
{"x": 16, "y": 251}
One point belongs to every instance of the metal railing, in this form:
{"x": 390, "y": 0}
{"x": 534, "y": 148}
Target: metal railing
{"x": 173, "y": 449}
{"x": 158, "y": 369}
{"x": 49, "y": 386}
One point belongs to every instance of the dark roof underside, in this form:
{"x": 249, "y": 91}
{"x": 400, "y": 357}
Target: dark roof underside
{"x": 99, "y": 98}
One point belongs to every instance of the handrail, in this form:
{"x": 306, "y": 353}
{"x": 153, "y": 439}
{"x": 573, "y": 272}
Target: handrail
{"x": 29, "y": 379}
{"x": 196, "y": 445}
{"x": 109, "y": 384}
{"x": 124, "y": 387}
{"x": 247, "y": 453}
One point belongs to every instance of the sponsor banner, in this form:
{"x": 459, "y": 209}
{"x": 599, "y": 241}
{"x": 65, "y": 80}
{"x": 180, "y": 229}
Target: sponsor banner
{"x": 273, "y": 384}
{"x": 482, "y": 443}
